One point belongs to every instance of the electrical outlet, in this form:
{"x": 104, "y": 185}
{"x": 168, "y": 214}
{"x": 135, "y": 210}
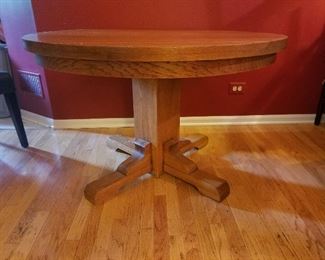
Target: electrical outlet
{"x": 236, "y": 88}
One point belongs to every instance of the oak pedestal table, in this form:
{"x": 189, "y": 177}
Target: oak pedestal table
{"x": 155, "y": 61}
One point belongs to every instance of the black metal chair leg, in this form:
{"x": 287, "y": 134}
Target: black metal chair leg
{"x": 13, "y": 107}
{"x": 319, "y": 113}
{"x": 321, "y": 106}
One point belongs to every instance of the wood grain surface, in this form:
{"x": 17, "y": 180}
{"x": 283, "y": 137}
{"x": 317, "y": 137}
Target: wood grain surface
{"x": 154, "y": 54}
{"x": 153, "y": 45}
{"x": 154, "y": 70}
{"x": 156, "y": 109}
{"x": 276, "y": 209}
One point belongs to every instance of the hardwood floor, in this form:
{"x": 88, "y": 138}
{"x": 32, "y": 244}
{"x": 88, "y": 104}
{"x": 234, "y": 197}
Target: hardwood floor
{"x": 276, "y": 208}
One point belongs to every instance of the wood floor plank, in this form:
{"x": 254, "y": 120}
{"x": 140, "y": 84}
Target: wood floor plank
{"x": 108, "y": 243}
{"x": 25, "y": 233}
{"x": 134, "y": 204}
{"x": 68, "y": 250}
{"x": 89, "y": 234}
{"x": 226, "y": 232}
{"x": 210, "y": 249}
{"x": 161, "y": 237}
{"x": 188, "y": 224}
{"x": 176, "y": 244}
{"x": 146, "y": 249}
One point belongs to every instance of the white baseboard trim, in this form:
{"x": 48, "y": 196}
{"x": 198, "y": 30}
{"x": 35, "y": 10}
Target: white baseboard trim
{"x": 248, "y": 120}
{"x": 185, "y": 121}
{"x": 93, "y": 123}
{"x": 76, "y": 123}
{"x": 36, "y": 118}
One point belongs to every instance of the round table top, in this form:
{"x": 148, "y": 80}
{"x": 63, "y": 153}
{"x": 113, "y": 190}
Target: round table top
{"x": 153, "y": 45}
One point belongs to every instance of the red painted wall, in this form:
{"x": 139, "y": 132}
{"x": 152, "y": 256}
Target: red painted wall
{"x": 291, "y": 85}
{"x": 17, "y": 19}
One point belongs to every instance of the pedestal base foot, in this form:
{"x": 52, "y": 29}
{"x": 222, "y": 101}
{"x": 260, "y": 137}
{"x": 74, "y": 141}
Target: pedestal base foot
{"x": 207, "y": 184}
{"x": 99, "y": 191}
{"x": 140, "y": 162}
{"x": 179, "y": 166}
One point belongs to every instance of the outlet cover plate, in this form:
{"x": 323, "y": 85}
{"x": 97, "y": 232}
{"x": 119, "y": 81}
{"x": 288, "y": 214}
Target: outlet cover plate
{"x": 236, "y": 88}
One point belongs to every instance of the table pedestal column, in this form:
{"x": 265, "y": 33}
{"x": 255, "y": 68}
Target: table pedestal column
{"x": 156, "y": 106}
{"x": 157, "y": 147}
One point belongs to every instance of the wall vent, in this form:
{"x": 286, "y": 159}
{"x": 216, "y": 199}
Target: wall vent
{"x": 31, "y": 82}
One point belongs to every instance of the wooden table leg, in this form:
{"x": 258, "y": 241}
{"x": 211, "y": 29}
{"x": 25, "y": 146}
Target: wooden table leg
{"x": 179, "y": 166}
{"x": 156, "y": 106}
{"x": 138, "y": 164}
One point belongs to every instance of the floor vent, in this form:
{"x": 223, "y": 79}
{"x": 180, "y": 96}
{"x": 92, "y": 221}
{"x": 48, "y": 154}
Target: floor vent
{"x": 31, "y": 83}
